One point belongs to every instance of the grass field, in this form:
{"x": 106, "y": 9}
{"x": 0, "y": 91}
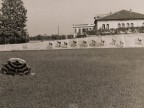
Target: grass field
{"x": 90, "y": 78}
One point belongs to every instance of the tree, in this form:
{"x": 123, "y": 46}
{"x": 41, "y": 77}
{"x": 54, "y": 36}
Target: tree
{"x": 14, "y": 24}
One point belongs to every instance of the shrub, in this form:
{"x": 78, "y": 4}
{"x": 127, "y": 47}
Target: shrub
{"x": 70, "y": 36}
{"x": 81, "y": 36}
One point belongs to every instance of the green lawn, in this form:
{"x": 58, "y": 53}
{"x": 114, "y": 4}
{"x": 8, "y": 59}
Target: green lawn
{"x": 90, "y": 78}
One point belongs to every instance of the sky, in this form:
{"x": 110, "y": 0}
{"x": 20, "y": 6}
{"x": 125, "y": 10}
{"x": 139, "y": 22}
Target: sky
{"x": 44, "y": 16}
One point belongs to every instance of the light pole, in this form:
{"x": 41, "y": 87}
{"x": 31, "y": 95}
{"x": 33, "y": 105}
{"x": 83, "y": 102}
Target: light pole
{"x": 44, "y": 37}
{"x": 58, "y": 30}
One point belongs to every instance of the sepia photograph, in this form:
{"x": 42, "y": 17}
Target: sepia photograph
{"x": 71, "y": 54}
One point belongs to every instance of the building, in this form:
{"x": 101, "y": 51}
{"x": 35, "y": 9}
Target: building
{"x": 80, "y": 29}
{"x": 119, "y": 19}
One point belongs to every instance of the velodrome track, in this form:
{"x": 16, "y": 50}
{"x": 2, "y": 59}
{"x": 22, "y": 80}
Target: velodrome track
{"x": 113, "y": 41}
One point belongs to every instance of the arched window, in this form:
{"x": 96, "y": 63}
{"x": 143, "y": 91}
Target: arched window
{"x": 119, "y": 25}
{"x": 123, "y": 25}
{"x": 103, "y": 26}
{"x": 132, "y": 24}
{"x": 128, "y": 25}
{"x": 107, "y": 26}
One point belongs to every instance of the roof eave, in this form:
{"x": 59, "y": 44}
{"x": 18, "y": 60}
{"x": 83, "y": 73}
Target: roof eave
{"x": 120, "y": 19}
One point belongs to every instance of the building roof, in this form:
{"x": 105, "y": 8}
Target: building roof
{"x": 122, "y": 15}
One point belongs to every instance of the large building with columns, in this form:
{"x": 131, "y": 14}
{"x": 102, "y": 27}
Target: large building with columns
{"x": 123, "y": 18}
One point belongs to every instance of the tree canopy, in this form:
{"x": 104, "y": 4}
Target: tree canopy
{"x": 14, "y": 13}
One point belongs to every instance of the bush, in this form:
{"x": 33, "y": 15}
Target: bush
{"x": 52, "y": 37}
{"x": 92, "y": 32}
{"x": 12, "y": 40}
{"x": 81, "y": 36}
{"x": 116, "y": 31}
{"x": 70, "y": 36}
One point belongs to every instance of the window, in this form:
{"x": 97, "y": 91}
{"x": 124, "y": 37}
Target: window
{"x": 107, "y": 26}
{"x": 123, "y": 25}
{"x": 132, "y": 25}
{"x": 83, "y": 30}
{"x": 128, "y": 25}
{"x": 119, "y": 25}
{"x": 103, "y": 26}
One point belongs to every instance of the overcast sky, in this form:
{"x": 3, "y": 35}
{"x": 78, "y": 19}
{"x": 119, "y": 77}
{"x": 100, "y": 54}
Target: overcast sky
{"x": 44, "y": 16}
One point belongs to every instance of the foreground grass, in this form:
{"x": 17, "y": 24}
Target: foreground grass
{"x": 90, "y": 78}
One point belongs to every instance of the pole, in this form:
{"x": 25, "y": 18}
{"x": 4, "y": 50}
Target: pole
{"x": 58, "y": 30}
{"x": 66, "y": 36}
{"x": 44, "y": 37}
